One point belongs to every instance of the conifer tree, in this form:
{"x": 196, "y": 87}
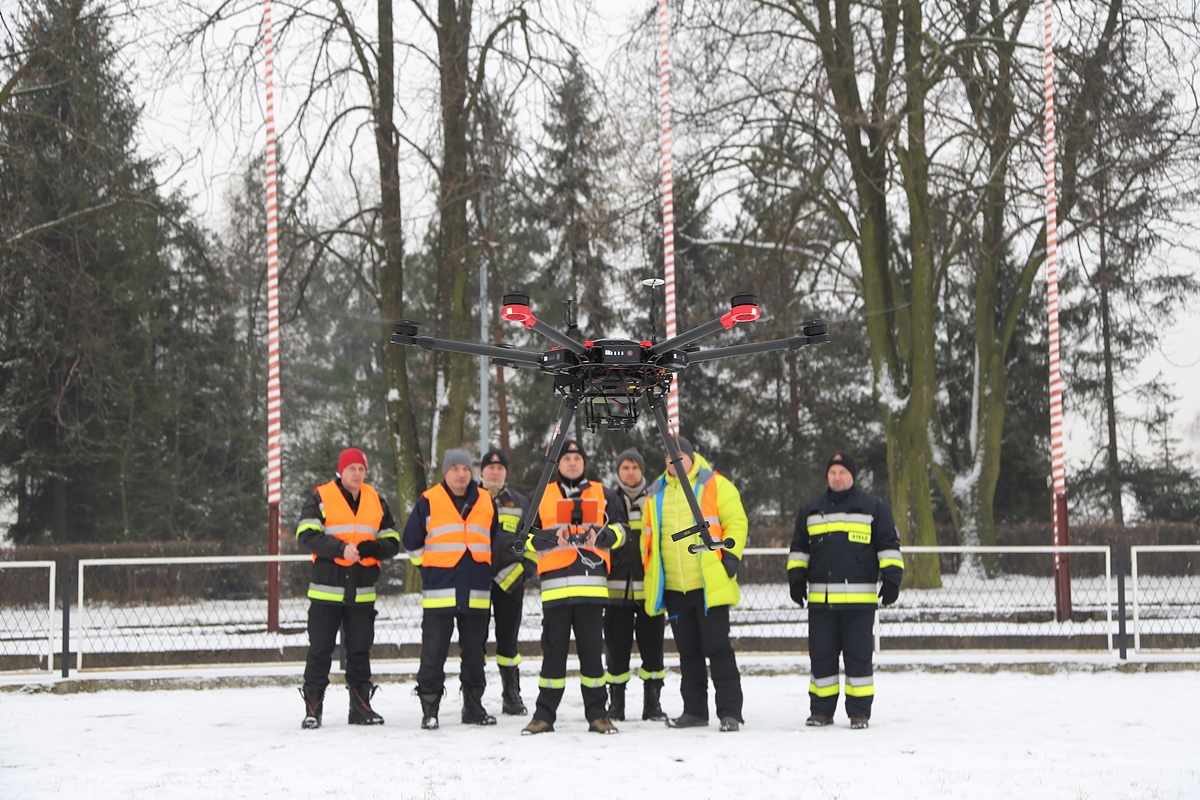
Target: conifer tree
{"x": 124, "y": 414}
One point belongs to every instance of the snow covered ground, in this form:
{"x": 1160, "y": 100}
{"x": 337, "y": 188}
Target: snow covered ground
{"x": 1067, "y": 729}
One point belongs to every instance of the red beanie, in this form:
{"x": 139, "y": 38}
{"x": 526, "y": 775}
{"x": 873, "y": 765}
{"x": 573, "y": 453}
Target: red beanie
{"x": 351, "y": 455}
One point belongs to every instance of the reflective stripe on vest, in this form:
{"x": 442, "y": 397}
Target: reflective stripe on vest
{"x": 348, "y": 526}
{"x": 448, "y": 536}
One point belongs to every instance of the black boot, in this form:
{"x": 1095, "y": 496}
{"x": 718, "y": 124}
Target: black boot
{"x": 361, "y": 712}
{"x": 510, "y": 680}
{"x": 616, "y": 701}
{"x": 314, "y": 699}
{"x": 651, "y": 703}
{"x": 429, "y": 710}
{"x": 473, "y": 712}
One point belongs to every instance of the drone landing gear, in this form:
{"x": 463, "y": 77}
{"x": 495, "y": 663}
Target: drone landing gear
{"x": 525, "y": 531}
{"x": 707, "y": 542}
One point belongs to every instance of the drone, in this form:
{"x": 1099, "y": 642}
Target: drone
{"x": 608, "y": 377}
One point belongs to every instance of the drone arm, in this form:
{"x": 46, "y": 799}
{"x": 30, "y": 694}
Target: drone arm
{"x": 743, "y": 308}
{"x": 687, "y": 337}
{"x": 520, "y": 358}
{"x": 814, "y": 333}
{"x": 524, "y": 530}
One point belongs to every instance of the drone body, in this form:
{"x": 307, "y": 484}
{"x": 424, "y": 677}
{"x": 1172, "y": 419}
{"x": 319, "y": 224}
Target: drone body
{"x": 609, "y": 376}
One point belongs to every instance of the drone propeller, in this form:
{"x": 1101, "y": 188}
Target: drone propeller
{"x": 853, "y": 317}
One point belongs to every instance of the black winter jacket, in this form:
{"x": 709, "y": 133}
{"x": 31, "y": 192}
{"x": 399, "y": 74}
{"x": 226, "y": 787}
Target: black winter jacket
{"x": 843, "y": 543}
{"x": 326, "y": 548}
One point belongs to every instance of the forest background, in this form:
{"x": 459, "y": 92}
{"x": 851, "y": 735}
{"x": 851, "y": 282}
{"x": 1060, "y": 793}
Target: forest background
{"x": 876, "y": 165}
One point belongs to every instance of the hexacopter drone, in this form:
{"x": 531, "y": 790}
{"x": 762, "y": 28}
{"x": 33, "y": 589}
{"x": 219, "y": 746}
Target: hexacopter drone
{"x": 608, "y": 377}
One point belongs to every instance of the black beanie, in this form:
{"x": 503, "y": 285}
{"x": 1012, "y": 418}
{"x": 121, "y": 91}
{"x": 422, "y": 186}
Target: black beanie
{"x": 572, "y": 446}
{"x": 494, "y": 457}
{"x": 846, "y": 460}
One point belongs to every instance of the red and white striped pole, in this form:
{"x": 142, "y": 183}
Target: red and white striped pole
{"x": 274, "y": 465}
{"x": 668, "y": 198}
{"x": 1062, "y": 564}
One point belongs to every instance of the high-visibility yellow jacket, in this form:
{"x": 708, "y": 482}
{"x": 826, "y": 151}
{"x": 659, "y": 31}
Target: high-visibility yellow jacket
{"x": 668, "y": 564}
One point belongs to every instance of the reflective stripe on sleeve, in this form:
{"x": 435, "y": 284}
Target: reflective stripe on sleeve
{"x": 509, "y": 575}
{"x": 891, "y": 558}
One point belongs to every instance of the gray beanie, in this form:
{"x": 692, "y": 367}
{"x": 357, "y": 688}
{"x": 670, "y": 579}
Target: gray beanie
{"x": 633, "y": 455}
{"x": 454, "y": 457}
{"x": 686, "y": 447}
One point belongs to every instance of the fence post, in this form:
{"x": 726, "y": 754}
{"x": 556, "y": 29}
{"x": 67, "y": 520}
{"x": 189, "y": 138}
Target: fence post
{"x": 1120, "y": 569}
{"x": 65, "y": 592}
{"x": 273, "y": 568}
{"x": 1062, "y": 561}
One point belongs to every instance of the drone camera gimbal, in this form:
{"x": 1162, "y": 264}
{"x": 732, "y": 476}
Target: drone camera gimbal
{"x": 609, "y": 376}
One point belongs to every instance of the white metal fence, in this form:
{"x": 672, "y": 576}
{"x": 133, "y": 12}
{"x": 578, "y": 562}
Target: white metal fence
{"x": 1166, "y": 596}
{"x": 152, "y": 612}
{"x": 28, "y": 630}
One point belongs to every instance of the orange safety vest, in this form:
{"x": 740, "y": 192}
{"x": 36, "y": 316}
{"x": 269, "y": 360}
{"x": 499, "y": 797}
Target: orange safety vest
{"x": 351, "y": 528}
{"x": 448, "y": 536}
{"x": 559, "y": 556}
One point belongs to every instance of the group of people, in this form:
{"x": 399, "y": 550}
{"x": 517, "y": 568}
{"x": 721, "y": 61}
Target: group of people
{"x": 610, "y": 573}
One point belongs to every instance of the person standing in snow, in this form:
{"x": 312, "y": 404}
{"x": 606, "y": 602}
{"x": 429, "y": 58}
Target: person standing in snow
{"x": 625, "y": 616}
{"x": 349, "y": 529}
{"x": 697, "y": 590}
{"x": 573, "y": 563}
{"x": 845, "y": 541}
{"x": 508, "y": 577}
{"x": 449, "y": 534}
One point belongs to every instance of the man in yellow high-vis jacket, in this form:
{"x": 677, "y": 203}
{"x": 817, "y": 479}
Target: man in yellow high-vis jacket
{"x": 697, "y": 590}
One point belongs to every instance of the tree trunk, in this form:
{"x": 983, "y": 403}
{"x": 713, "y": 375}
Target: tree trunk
{"x": 402, "y": 423}
{"x": 454, "y": 257}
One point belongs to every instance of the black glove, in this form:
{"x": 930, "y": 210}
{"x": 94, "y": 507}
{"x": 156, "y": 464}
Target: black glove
{"x": 731, "y": 563}
{"x": 799, "y": 590}
{"x": 369, "y": 548}
{"x": 888, "y": 592}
